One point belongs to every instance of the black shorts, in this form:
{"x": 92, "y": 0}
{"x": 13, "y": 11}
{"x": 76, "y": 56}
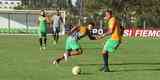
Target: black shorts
{"x": 56, "y": 30}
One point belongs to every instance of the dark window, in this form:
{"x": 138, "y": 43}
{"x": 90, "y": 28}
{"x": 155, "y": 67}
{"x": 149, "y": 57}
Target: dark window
{"x": 12, "y": 2}
{"x": 6, "y": 2}
{"x": 18, "y": 3}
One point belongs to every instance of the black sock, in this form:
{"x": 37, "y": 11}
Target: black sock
{"x": 40, "y": 41}
{"x": 105, "y": 59}
{"x": 54, "y": 37}
{"x": 45, "y": 41}
{"x": 57, "y": 37}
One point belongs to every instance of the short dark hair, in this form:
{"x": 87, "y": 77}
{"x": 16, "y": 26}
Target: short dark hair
{"x": 92, "y": 23}
{"x": 109, "y": 11}
{"x": 57, "y": 10}
{"x": 42, "y": 10}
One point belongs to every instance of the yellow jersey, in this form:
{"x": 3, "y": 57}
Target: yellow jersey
{"x": 114, "y": 25}
{"x": 83, "y": 29}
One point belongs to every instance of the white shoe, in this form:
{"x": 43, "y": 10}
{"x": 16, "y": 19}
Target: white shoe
{"x": 44, "y": 48}
{"x": 54, "y": 42}
{"x": 65, "y": 56}
{"x": 40, "y": 48}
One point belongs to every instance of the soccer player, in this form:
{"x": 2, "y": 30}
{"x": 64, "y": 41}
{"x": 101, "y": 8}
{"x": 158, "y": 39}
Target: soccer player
{"x": 56, "y": 23}
{"x": 42, "y": 30}
{"x": 90, "y": 32}
{"x": 113, "y": 42}
{"x": 72, "y": 47}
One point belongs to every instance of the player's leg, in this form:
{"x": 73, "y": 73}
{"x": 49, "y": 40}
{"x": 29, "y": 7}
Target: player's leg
{"x": 105, "y": 56}
{"x": 57, "y": 34}
{"x": 67, "y": 54}
{"x": 70, "y": 46}
{"x": 67, "y": 51}
{"x": 45, "y": 40}
{"x": 109, "y": 47}
{"x": 54, "y": 35}
{"x": 74, "y": 46}
{"x": 57, "y": 61}
{"x": 77, "y": 50}
{"x": 40, "y": 40}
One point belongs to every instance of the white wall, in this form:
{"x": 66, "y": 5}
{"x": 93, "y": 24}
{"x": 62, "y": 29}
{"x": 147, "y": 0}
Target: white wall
{"x": 13, "y": 23}
{"x": 9, "y": 4}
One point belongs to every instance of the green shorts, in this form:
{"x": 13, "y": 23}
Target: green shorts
{"x": 42, "y": 34}
{"x": 71, "y": 44}
{"x": 111, "y": 45}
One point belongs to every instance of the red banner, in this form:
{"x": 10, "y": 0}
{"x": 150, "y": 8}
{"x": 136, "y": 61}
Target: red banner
{"x": 142, "y": 32}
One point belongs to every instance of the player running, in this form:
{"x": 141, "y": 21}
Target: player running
{"x": 57, "y": 20}
{"x": 42, "y": 30}
{"x": 113, "y": 42}
{"x": 72, "y": 47}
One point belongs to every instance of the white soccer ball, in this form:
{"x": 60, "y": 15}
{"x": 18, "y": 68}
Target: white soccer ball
{"x": 76, "y": 70}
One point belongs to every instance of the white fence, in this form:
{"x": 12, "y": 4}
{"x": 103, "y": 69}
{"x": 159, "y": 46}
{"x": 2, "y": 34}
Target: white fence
{"x": 22, "y": 21}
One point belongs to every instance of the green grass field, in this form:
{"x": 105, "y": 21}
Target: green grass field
{"x": 21, "y": 59}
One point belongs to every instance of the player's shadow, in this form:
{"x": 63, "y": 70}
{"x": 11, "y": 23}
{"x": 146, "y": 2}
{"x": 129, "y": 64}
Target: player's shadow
{"x": 127, "y": 70}
{"x": 86, "y": 73}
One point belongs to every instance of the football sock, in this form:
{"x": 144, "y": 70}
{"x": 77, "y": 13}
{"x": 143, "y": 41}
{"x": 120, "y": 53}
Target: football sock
{"x": 57, "y": 37}
{"x": 105, "y": 59}
{"x": 45, "y": 41}
{"x": 40, "y": 41}
{"x": 54, "y": 37}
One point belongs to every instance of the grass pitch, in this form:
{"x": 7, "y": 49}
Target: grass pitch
{"x": 21, "y": 59}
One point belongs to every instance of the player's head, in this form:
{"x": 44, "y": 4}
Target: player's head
{"x": 90, "y": 25}
{"x": 58, "y": 12}
{"x": 107, "y": 14}
{"x": 42, "y": 13}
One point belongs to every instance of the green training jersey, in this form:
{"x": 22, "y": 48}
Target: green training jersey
{"x": 42, "y": 24}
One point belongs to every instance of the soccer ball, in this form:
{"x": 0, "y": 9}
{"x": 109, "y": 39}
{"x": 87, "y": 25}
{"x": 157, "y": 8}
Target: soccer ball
{"x": 76, "y": 70}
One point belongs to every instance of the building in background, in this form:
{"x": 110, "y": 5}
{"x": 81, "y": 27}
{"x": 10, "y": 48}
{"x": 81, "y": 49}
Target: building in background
{"x": 48, "y": 4}
{"x": 9, "y": 4}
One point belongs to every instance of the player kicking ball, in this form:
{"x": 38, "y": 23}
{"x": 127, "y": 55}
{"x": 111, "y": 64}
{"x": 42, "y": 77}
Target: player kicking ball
{"x": 113, "y": 42}
{"x": 73, "y": 47}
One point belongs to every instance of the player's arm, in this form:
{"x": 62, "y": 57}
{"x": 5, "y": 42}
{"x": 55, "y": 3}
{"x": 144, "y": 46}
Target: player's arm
{"x": 109, "y": 32}
{"x": 61, "y": 19}
{"x": 51, "y": 21}
{"x": 75, "y": 28}
{"x": 110, "y": 29}
{"x": 47, "y": 20}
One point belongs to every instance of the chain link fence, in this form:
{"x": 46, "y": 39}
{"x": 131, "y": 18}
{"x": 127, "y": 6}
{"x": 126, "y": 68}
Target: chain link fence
{"x": 18, "y": 22}
{"x": 22, "y": 22}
